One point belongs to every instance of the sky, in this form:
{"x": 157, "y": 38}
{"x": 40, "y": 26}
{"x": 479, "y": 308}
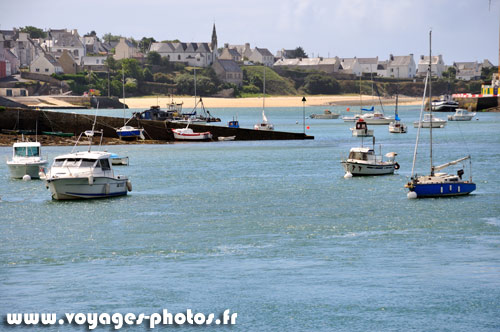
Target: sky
{"x": 462, "y": 30}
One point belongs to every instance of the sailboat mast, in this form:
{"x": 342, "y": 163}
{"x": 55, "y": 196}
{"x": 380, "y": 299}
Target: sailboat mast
{"x": 195, "y": 88}
{"x": 430, "y": 97}
{"x": 264, "y": 90}
{"x": 123, "y": 88}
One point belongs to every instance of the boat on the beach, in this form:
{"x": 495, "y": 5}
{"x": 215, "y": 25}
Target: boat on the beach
{"x": 84, "y": 175}
{"x": 461, "y": 115}
{"x": 327, "y": 114}
{"x": 363, "y": 161}
{"x": 361, "y": 129}
{"x": 233, "y": 123}
{"x": 430, "y": 121}
{"x": 189, "y": 135}
{"x": 226, "y": 138}
{"x": 437, "y": 184}
{"x": 26, "y": 160}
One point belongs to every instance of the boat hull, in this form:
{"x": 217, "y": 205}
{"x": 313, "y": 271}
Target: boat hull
{"x": 362, "y": 169}
{"x": 129, "y": 135}
{"x": 80, "y": 187}
{"x": 435, "y": 124}
{"x": 378, "y": 121}
{"x": 119, "y": 161}
{"x": 18, "y": 170}
{"x": 193, "y": 137}
{"x": 324, "y": 116}
{"x": 460, "y": 118}
{"x": 424, "y": 190}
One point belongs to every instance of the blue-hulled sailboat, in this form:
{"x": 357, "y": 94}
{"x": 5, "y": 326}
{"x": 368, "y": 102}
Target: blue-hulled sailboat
{"x": 437, "y": 184}
{"x": 128, "y": 132}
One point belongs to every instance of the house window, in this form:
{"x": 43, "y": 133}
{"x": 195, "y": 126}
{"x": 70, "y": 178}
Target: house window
{"x": 46, "y": 70}
{"x": 23, "y": 93}
{"x": 37, "y": 70}
{"x": 198, "y": 59}
{"x": 75, "y": 52}
{"x": 9, "y": 93}
{"x": 179, "y": 57}
{"x": 168, "y": 57}
{"x": 229, "y": 75}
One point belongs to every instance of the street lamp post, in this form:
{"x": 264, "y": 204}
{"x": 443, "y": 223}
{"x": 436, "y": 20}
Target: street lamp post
{"x": 304, "y": 114}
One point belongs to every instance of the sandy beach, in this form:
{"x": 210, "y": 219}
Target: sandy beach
{"x": 281, "y": 101}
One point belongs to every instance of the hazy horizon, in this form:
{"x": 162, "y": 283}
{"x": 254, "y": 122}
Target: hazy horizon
{"x": 463, "y": 30}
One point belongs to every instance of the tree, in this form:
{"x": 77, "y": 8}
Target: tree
{"x": 153, "y": 58}
{"x": 299, "y": 53}
{"x": 145, "y": 43}
{"x": 34, "y": 32}
{"x": 148, "y": 76}
{"x": 108, "y": 37}
{"x": 111, "y": 63}
{"x": 132, "y": 69}
{"x": 450, "y": 73}
{"x": 487, "y": 73}
{"x": 321, "y": 84}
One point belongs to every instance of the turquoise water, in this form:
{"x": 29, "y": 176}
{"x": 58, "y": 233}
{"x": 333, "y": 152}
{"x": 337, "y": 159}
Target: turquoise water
{"x": 268, "y": 229}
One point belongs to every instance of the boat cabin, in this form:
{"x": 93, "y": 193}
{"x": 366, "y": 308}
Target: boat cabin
{"x": 26, "y": 149}
{"x": 233, "y": 124}
{"x": 361, "y": 125}
{"x": 82, "y": 162}
{"x": 365, "y": 154}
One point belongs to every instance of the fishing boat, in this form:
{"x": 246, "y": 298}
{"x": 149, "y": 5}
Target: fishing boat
{"x": 189, "y": 135}
{"x": 85, "y": 174}
{"x": 461, "y": 115}
{"x": 26, "y": 160}
{"x": 444, "y": 104}
{"x": 327, "y": 114}
{"x": 363, "y": 161}
{"x": 128, "y": 132}
{"x": 430, "y": 121}
{"x": 264, "y": 124}
{"x": 437, "y": 184}
{"x": 234, "y": 123}
{"x": 361, "y": 129}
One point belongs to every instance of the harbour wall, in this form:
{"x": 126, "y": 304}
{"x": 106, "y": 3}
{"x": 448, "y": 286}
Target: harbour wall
{"x": 476, "y": 103}
{"x": 26, "y": 119}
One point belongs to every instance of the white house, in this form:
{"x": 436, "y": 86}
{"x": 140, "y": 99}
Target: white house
{"x": 94, "y": 63}
{"x": 46, "y": 64}
{"x": 468, "y": 70}
{"x": 350, "y": 66}
{"x": 193, "y": 54}
{"x": 60, "y": 40}
{"x": 368, "y": 65}
{"x": 401, "y": 66}
{"x": 437, "y": 66}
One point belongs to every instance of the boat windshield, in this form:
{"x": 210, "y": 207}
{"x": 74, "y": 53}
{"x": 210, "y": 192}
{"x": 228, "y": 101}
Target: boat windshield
{"x": 358, "y": 155}
{"x": 27, "y": 151}
{"x": 74, "y": 162}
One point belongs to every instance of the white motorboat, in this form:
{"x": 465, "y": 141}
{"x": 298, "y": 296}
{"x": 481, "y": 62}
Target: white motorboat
{"x": 364, "y": 161}
{"x": 118, "y": 161}
{"x": 327, "y": 114}
{"x": 430, "y": 120}
{"x": 376, "y": 118}
{"x": 84, "y": 175}
{"x": 26, "y": 160}
{"x": 189, "y": 135}
{"x": 264, "y": 124}
{"x": 461, "y": 115}
{"x": 361, "y": 129}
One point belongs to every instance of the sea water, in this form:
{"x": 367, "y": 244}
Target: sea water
{"x": 268, "y": 229}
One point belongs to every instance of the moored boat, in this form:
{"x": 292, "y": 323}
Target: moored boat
{"x": 26, "y": 160}
{"x": 327, "y": 114}
{"x": 430, "y": 121}
{"x": 361, "y": 129}
{"x": 363, "y": 161}
{"x": 189, "y": 135}
{"x": 461, "y": 115}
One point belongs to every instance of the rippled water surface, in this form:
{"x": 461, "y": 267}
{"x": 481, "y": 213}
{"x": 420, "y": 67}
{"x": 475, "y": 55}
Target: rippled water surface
{"x": 268, "y": 229}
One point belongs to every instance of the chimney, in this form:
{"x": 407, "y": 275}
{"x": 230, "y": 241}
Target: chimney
{"x": 226, "y": 45}
{"x": 391, "y": 57}
{"x": 421, "y": 57}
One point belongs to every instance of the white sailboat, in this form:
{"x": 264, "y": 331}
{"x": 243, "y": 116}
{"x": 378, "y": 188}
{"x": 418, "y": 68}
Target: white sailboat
{"x": 397, "y": 126}
{"x": 264, "y": 124}
{"x": 436, "y": 184}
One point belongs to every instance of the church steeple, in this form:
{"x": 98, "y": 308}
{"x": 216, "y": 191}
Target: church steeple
{"x": 213, "y": 44}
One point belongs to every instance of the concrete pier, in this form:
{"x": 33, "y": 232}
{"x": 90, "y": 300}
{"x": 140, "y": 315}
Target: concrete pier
{"x": 26, "y": 119}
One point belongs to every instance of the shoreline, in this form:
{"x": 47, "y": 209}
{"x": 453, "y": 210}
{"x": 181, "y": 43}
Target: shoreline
{"x": 278, "y": 101}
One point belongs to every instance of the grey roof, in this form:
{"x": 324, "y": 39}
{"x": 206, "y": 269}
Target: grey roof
{"x": 229, "y": 65}
{"x": 169, "y": 47}
{"x": 466, "y": 65}
{"x": 234, "y": 52}
{"x": 400, "y": 60}
{"x": 129, "y": 43}
{"x": 368, "y": 61}
{"x": 51, "y": 59}
{"x": 347, "y": 63}
{"x": 264, "y": 51}
{"x": 68, "y": 39}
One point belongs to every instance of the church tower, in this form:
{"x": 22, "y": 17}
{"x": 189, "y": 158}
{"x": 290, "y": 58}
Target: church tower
{"x": 213, "y": 44}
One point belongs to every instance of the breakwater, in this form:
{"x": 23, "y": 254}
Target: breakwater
{"x": 26, "y": 119}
